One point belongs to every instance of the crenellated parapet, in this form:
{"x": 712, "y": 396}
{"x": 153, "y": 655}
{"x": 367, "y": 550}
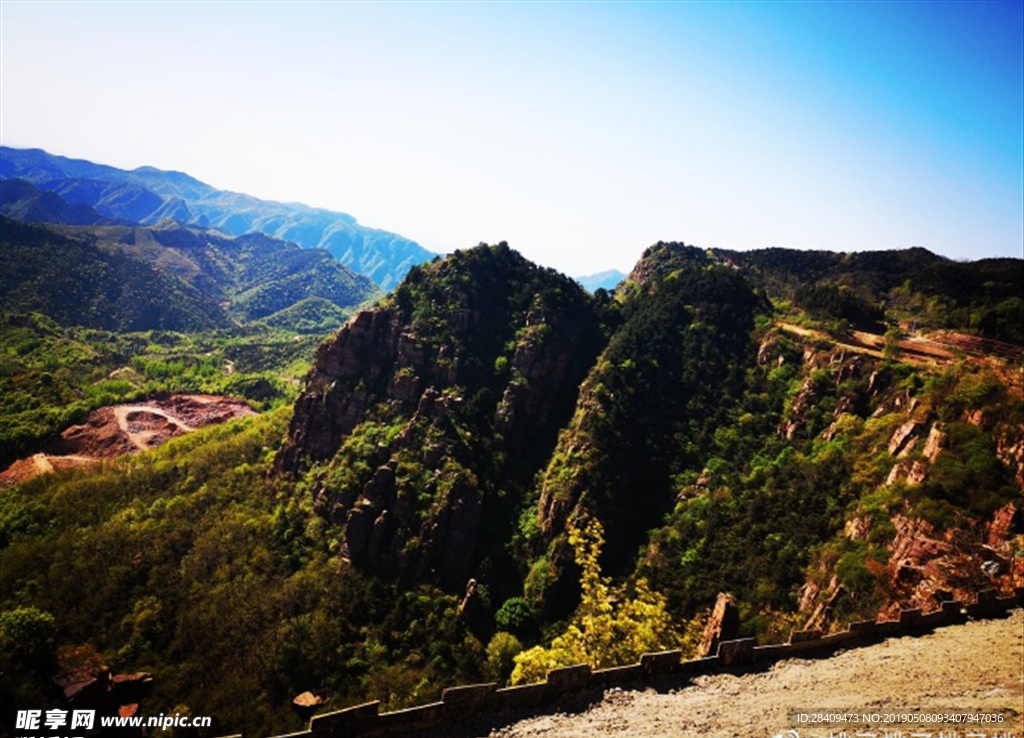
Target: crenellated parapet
{"x": 459, "y": 704}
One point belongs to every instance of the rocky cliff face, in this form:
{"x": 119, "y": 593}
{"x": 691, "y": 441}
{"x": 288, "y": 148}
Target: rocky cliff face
{"x": 948, "y": 526}
{"x": 428, "y": 415}
{"x": 361, "y": 367}
{"x": 451, "y": 432}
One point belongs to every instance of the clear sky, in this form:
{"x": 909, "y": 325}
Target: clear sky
{"x": 578, "y": 132}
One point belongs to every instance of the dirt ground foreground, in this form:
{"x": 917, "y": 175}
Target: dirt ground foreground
{"x": 978, "y": 666}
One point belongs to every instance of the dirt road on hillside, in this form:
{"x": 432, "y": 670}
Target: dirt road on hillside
{"x": 976, "y": 666}
{"x": 938, "y": 348}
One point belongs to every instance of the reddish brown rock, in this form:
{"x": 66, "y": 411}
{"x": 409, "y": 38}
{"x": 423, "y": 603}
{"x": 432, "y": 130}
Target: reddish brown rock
{"x": 97, "y": 687}
{"x": 917, "y": 474}
{"x": 823, "y": 603}
{"x": 927, "y": 566}
{"x": 1005, "y": 522}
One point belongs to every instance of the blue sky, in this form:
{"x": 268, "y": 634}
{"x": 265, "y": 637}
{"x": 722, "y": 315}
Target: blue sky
{"x": 579, "y": 132}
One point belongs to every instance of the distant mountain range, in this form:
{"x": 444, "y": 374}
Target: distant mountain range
{"x": 79, "y": 192}
{"x": 22, "y": 200}
{"x": 168, "y": 276}
{"x": 607, "y": 280}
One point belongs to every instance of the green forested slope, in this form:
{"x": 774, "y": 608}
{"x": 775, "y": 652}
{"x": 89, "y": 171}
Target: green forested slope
{"x": 76, "y": 282}
{"x": 128, "y": 278}
{"x": 651, "y": 404}
{"x": 52, "y": 376}
{"x": 913, "y": 285}
{"x": 408, "y": 526}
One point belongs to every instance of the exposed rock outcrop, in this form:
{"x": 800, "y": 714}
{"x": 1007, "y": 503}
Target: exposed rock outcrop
{"x": 936, "y": 439}
{"x": 351, "y": 374}
{"x": 903, "y": 437}
{"x": 927, "y": 566}
{"x": 95, "y": 686}
{"x": 820, "y": 603}
{"x": 724, "y": 625}
{"x": 474, "y": 364}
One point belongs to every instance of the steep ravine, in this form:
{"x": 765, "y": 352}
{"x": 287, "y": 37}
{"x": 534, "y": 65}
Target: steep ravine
{"x": 450, "y": 433}
{"x": 424, "y": 419}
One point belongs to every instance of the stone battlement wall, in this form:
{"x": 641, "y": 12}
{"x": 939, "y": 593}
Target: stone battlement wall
{"x": 460, "y": 703}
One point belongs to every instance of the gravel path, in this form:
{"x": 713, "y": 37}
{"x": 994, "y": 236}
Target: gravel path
{"x": 979, "y": 665}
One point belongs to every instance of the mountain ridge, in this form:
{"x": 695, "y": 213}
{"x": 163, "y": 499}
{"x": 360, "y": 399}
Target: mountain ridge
{"x": 23, "y": 201}
{"x": 476, "y": 391}
{"x": 147, "y": 195}
{"x": 689, "y": 350}
{"x": 168, "y": 276}
{"x": 608, "y": 279}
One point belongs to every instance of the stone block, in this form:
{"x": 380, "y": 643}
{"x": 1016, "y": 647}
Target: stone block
{"x": 863, "y": 627}
{"x": 569, "y": 678}
{"x": 470, "y": 696}
{"x": 423, "y": 717}
{"x": 525, "y": 695}
{"x": 350, "y": 721}
{"x": 616, "y": 676}
{"x": 953, "y": 610}
{"x": 771, "y": 652}
{"x": 834, "y": 640}
{"x": 1005, "y": 604}
{"x": 662, "y": 662}
{"x": 801, "y": 636}
{"x": 889, "y": 628}
{"x": 910, "y": 619}
{"x": 706, "y": 665}
{"x": 802, "y": 647}
{"x": 736, "y": 652}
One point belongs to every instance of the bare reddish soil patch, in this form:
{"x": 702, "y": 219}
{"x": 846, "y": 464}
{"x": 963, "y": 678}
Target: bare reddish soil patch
{"x": 124, "y": 429}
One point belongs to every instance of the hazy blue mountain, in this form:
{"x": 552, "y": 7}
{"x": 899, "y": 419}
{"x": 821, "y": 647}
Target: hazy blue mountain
{"x": 147, "y": 195}
{"x": 22, "y": 200}
{"x": 607, "y": 280}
